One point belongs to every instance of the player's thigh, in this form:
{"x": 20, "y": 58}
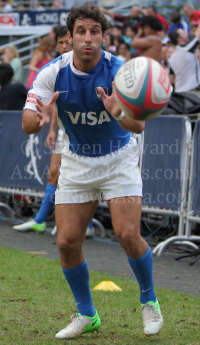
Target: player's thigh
{"x": 54, "y": 168}
{"x": 126, "y": 214}
{"x": 72, "y": 219}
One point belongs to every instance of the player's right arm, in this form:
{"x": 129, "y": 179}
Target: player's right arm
{"x": 30, "y": 122}
{"x": 34, "y": 121}
{"x": 40, "y": 101}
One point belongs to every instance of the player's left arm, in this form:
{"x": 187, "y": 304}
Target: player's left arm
{"x": 126, "y": 122}
{"x": 132, "y": 125}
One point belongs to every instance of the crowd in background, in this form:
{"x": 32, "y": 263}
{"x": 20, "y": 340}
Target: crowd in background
{"x": 123, "y": 40}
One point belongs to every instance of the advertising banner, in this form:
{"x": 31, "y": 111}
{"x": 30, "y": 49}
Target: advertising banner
{"x": 10, "y": 19}
{"x": 24, "y": 159}
{"x": 54, "y": 18}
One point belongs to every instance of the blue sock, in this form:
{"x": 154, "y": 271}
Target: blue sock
{"x": 90, "y": 224}
{"x": 47, "y": 204}
{"x": 143, "y": 270}
{"x": 78, "y": 279}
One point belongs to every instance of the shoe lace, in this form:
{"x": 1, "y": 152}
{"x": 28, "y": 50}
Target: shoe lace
{"x": 151, "y": 312}
{"x": 74, "y": 317}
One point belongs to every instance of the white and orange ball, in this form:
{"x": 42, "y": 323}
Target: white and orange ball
{"x": 142, "y": 88}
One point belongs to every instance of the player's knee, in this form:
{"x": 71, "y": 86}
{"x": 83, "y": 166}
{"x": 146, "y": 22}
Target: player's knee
{"x": 68, "y": 243}
{"x": 128, "y": 235}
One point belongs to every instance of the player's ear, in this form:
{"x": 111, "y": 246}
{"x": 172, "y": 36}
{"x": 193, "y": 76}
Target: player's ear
{"x": 104, "y": 37}
{"x": 70, "y": 39}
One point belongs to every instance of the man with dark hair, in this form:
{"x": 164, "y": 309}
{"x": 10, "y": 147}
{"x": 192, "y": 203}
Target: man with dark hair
{"x": 131, "y": 31}
{"x": 148, "y": 40}
{"x": 100, "y": 159}
{"x": 184, "y": 66}
{"x": 124, "y": 51}
{"x": 116, "y": 30}
{"x": 12, "y": 95}
{"x": 61, "y": 39}
{"x": 152, "y": 11}
{"x": 177, "y": 23}
{"x": 62, "y": 43}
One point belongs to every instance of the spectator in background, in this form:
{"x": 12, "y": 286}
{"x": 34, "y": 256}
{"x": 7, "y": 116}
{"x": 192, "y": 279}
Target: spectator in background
{"x": 193, "y": 15}
{"x": 116, "y": 30}
{"x": 130, "y": 33}
{"x": 193, "y": 27}
{"x": 12, "y": 95}
{"x": 133, "y": 18}
{"x": 124, "y": 52}
{"x": 152, "y": 11}
{"x": 5, "y": 6}
{"x": 62, "y": 43}
{"x": 147, "y": 40}
{"x": 12, "y": 57}
{"x": 39, "y": 7}
{"x": 21, "y": 7}
{"x": 184, "y": 66}
{"x": 109, "y": 46}
{"x": 177, "y": 23}
{"x": 117, "y": 41}
{"x": 41, "y": 57}
{"x": 56, "y": 4}
{"x": 52, "y": 33}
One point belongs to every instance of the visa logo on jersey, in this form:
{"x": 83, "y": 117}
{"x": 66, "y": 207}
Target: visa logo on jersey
{"x": 89, "y": 118}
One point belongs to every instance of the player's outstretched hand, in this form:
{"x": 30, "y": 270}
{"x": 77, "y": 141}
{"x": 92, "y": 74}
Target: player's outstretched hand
{"x": 110, "y": 103}
{"x": 50, "y": 140}
{"x": 45, "y": 111}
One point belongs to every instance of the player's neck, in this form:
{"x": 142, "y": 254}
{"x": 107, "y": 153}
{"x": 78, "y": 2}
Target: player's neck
{"x": 85, "y": 66}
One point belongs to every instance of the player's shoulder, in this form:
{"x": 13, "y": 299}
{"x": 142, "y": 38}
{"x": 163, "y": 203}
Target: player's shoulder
{"x": 112, "y": 62}
{"x": 110, "y": 59}
{"x": 55, "y": 65}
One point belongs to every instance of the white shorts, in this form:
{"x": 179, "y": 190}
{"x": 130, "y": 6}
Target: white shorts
{"x": 83, "y": 179}
{"x": 59, "y": 144}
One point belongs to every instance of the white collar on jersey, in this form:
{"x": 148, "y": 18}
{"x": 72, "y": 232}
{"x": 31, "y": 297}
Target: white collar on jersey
{"x": 74, "y": 70}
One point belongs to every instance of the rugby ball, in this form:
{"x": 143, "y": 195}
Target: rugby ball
{"x": 142, "y": 88}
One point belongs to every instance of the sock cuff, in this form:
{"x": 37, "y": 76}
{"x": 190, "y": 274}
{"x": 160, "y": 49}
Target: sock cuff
{"x": 50, "y": 188}
{"x": 76, "y": 271}
{"x": 139, "y": 260}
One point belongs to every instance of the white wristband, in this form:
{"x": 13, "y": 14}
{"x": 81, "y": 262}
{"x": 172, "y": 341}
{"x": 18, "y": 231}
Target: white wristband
{"x": 119, "y": 117}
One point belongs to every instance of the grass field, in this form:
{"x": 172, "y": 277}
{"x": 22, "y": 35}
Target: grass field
{"x": 36, "y": 302}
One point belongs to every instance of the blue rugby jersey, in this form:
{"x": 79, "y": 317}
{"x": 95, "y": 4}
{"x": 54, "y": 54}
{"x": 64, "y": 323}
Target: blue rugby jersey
{"x": 91, "y": 129}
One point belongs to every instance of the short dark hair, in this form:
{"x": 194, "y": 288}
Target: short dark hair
{"x": 86, "y": 11}
{"x": 132, "y": 27}
{"x": 6, "y": 73}
{"x": 175, "y": 17}
{"x": 111, "y": 39}
{"x": 118, "y": 27}
{"x": 153, "y": 8}
{"x": 60, "y": 32}
{"x": 120, "y": 39}
{"x": 128, "y": 47}
{"x": 174, "y": 35}
{"x": 152, "y": 22}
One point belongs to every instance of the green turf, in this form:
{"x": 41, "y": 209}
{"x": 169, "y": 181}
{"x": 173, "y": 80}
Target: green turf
{"x": 35, "y": 303}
